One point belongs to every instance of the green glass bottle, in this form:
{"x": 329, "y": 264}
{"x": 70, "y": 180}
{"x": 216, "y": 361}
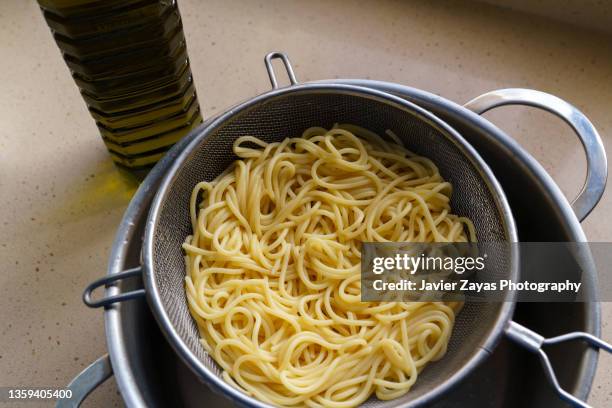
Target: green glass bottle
{"x": 129, "y": 60}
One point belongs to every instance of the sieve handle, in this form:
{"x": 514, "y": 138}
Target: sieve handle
{"x": 283, "y": 57}
{"x": 105, "y": 281}
{"x": 597, "y": 164}
{"x": 87, "y": 381}
{"x": 534, "y": 342}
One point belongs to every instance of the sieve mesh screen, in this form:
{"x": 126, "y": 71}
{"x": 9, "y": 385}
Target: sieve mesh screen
{"x": 289, "y": 115}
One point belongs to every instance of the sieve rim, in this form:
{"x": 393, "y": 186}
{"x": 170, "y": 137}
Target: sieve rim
{"x": 152, "y": 290}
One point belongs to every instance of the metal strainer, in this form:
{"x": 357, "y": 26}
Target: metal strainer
{"x": 285, "y": 112}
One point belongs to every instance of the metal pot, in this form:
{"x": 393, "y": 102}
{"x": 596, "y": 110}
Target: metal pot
{"x": 512, "y": 166}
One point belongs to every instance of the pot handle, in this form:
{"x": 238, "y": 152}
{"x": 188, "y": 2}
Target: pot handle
{"x": 534, "y": 342}
{"x": 87, "y": 294}
{"x": 87, "y": 381}
{"x": 283, "y": 57}
{"x": 597, "y": 165}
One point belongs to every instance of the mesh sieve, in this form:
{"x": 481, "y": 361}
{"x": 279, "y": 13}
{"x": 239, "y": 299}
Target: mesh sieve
{"x": 288, "y": 112}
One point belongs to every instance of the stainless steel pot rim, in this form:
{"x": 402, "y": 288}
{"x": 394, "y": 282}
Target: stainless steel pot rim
{"x": 152, "y": 290}
{"x": 113, "y": 328}
{"x": 142, "y": 199}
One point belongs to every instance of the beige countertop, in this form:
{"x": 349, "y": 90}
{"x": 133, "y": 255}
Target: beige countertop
{"x": 61, "y": 198}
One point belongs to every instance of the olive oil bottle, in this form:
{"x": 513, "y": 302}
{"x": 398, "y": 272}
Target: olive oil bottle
{"x": 129, "y": 60}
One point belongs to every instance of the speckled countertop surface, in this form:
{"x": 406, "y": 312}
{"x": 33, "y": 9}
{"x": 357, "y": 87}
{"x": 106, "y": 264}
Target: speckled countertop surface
{"x": 61, "y": 198}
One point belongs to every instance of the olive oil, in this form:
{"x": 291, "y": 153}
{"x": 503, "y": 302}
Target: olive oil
{"x": 129, "y": 60}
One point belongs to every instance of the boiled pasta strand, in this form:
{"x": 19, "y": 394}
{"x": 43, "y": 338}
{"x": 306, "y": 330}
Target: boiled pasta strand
{"x": 273, "y": 267}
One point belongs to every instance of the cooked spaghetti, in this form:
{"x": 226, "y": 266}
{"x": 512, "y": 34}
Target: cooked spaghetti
{"x": 273, "y": 267}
